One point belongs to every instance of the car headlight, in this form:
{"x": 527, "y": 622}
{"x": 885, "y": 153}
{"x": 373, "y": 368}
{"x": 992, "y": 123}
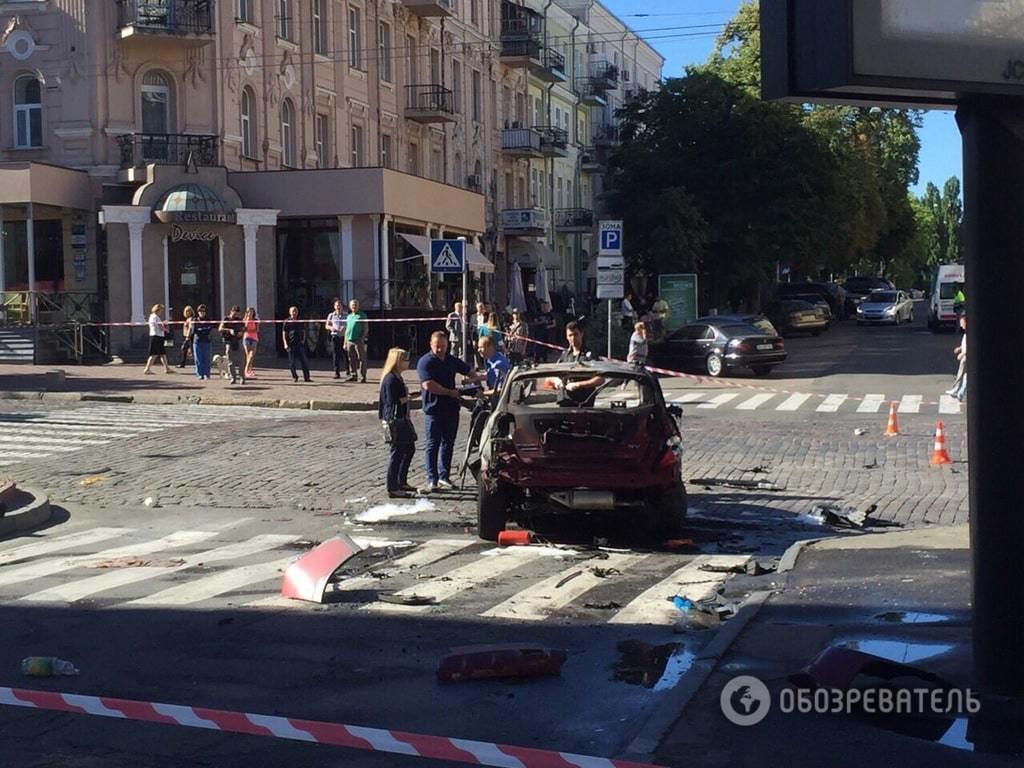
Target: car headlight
{"x": 890, "y": 310}
{"x": 860, "y": 310}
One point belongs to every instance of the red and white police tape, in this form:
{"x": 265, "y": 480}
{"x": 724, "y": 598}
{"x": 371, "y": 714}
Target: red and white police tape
{"x": 318, "y": 732}
{"x": 308, "y": 320}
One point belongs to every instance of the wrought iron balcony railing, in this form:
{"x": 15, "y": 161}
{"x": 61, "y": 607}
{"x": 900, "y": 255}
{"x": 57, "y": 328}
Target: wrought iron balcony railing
{"x": 139, "y": 149}
{"x": 176, "y": 17}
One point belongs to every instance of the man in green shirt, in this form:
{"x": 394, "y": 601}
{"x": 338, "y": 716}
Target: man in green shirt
{"x": 355, "y": 342}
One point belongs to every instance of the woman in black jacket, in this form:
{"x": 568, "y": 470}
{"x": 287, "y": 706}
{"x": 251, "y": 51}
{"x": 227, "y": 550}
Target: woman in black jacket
{"x": 399, "y": 432}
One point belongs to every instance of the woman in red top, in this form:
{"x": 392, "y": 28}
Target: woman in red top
{"x": 250, "y": 340}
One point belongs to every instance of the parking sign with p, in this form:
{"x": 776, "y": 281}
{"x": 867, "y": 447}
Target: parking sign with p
{"x": 610, "y": 238}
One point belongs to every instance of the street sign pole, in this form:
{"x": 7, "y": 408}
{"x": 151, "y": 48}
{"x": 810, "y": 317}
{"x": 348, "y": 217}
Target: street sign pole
{"x": 465, "y": 310}
{"x": 611, "y": 268}
{"x": 610, "y": 328}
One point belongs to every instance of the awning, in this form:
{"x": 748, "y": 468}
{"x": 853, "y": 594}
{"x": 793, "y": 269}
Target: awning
{"x": 527, "y": 253}
{"x": 477, "y": 261}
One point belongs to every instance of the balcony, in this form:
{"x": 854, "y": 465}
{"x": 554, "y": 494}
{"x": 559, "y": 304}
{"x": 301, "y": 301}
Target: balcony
{"x": 522, "y": 51}
{"x": 554, "y": 142}
{"x": 550, "y": 68}
{"x": 429, "y": 104}
{"x": 589, "y": 93}
{"x": 604, "y": 75}
{"x": 429, "y": 7}
{"x": 590, "y": 159}
{"x": 141, "y": 149}
{"x": 155, "y": 21}
{"x": 524, "y": 222}
{"x": 574, "y": 220}
{"x": 605, "y": 135}
{"x": 521, "y": 142}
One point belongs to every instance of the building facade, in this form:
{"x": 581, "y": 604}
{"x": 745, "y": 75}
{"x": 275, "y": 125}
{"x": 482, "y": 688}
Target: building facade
{"x": 275, "y": 152}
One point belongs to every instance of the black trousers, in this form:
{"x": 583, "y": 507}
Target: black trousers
{"x": 338, "y": 352}
{"x": 399, "y": 459}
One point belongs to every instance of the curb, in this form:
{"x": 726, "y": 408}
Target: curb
{"x": 157, "y": 399}
{"x": 644, "y": 745}
{"x": 788, "y": 560}
{"x": 29, "y": 516}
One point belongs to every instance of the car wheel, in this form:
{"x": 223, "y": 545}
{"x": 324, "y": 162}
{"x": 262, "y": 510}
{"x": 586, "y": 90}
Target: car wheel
{"x": 491, "y": 510}
{"x": 761, "y": 370}
{"x": 715, "y": 365}
{"x": 669, "y": 514}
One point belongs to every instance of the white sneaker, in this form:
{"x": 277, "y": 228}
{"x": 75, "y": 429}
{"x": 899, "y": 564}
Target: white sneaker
{"x": 951, "y": 392}
{"x": 445, "y": 485}
{"x": 426, "y": 489}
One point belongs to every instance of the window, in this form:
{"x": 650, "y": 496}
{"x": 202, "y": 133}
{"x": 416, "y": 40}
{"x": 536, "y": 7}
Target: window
{"x": 355, "y": 37}
{"x": 28, "y": 112}
{"x": 474, "y": 12}
{"x": 357, "y": 146}
{"x": 435, "y": 66}
{"x": 384, "y": 51}
{"x": 413, "y": 159}
{"x": 457, "y": 87}
{"x": 560, "y": 192}
{"x": 288, "y": 134}
{"x": 248, "y": 127}
{"x": 385, "y": 151}
{"x": 284, "y": 19}
{"x": 319, "y": 28}
{"x": 460, "y": 170}
{"x": 156, "y": 101}
{"x": 246, "y": 12}
{"x": 478, "y": 111}
{"x": 436, "y": 163}
{"x": 320, "y": 138}
{"x": 410, "y": 60}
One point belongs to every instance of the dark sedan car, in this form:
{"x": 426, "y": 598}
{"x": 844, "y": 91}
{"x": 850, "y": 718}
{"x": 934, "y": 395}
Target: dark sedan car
{"x": 797, "y": 317}
{"x": 834, "y": 296}
{"x": 717, "y": 346}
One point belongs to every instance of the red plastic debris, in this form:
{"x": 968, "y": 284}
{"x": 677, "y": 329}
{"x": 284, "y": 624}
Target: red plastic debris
{"x": 514, "y": 538}
{"x": 482, "y": 662}
{"x": 678, "y": 543}
{"x": 306, "y": 578}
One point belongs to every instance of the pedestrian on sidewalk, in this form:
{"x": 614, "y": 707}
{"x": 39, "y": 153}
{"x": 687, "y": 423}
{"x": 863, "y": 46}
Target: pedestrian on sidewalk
{"x": 355, "y": 342}
{"x": 959, "y": 390}
{"x": 250, "y": 341}
{"x": 335, "y": 325}
{"x": 157, "y": 340}
{"x": 638, "y": 345}
{"x": 202, "y": 327}
{"x": 453, "y": 324}
{"x": 293, "y": 334}
{"x": 186, "y": 331}
{"x": 518, "y": 335}
{"x": 232, "y": 329}
{"x": 543, "y": 326}
{"x": 399, "y": 432}
{"x": 628, "y": 311}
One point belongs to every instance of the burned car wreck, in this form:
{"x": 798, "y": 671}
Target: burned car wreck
{"x": 591, "y": 437}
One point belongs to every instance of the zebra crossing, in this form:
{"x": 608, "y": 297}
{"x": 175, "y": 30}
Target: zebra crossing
{"x": 834, "y": 403}
{"x": 45, "y": 433}
{"x": 122, "y": 567}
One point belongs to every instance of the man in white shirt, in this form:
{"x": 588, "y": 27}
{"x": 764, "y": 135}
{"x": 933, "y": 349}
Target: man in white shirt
{"x": 335, "y": 325}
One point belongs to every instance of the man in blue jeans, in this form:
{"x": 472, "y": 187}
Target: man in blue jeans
{"x": 437, "y": 371}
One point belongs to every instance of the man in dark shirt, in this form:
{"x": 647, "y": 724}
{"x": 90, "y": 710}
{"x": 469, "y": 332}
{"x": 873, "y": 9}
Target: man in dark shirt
{"x": 293, "y": 334}
{"x": 437, "y": 371}
{"x": 232, "y": 329}
{"x": 576, "y": 352}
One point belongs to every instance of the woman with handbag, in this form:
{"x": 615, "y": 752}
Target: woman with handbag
{"x": 399, "y": 432}
{"x": 157, "y": 343}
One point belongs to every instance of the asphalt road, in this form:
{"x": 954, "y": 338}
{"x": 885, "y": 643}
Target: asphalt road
{"x": 239, "y": 493}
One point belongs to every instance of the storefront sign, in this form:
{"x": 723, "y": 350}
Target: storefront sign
{"x": 180, "y": 234}
{"x": 680, "y": 293}
{"x": 195, "y": 217}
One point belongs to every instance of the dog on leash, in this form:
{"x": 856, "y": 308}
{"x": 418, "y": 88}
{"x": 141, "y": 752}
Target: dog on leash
{"x": 220, "y": 363}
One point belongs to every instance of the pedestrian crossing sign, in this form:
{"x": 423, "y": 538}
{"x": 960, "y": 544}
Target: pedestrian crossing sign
{"x": 447, "y": 257}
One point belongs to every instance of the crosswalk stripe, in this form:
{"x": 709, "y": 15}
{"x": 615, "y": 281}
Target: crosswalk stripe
{"x": 217, "y": 584}
{"x": 538, "y": 602}
{"x": 57, "y": 543}
{"x": 654, "y": 605}
{"x": 910, "y": 404}
{"x": 48, "y": 567}
{"x": 72, "y": 436}
{"x": 948, "y": 405}
{"x": 689, "y": 397}
{"x": 832, "y": 403}
{"x": 871, "y": 404}
{"x": 60, "y": 444}
{"x": 82, "y": 588}
{"x": 85, "y": 430}
{"x": 755, "y": 402}
{"x": 451, "y": 583}
{"x": 18, "y": 455}
{"x": 793, "y": 402}
{"x": 719, "y": 400}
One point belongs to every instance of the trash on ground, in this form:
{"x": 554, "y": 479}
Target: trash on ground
{"x": 542, "y": 550}
{"x": 694, "y": 615}
{"x": 400, "y": 599}
{"x": 611, "y": 605}
{"x": 760, "y": 469}
{"x": 642, "y": 663}
{"x": 307, "y": 577}
{"x": 139, "y": 562}
{"x": 151, "y": 501}
{"x": 678, "y": 543}
{"x": 383, "y": 543}
{"x": 721, "y": 568}
{"x": 568, "y": 578}
{"x": 745, "y": 485}
{"x": 47, "y": 666}
{"x": 604, "y": 573}
{"x": 387, "y": 511}
{"x": 359, "y": 500}
{"x": 847, "y": 517}
{"x": 759, "y": 568}
{"x": 872, "y": 465}
{"x": 518, "y": 538}
{"x": 860, "y": 432}
{"x": 85, "y": 482}
{"x": 482, "y": 662}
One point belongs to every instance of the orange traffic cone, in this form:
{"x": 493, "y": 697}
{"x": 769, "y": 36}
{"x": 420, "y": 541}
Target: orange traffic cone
{"x": 892, "y": 429}
{"x": 939, "y": 453}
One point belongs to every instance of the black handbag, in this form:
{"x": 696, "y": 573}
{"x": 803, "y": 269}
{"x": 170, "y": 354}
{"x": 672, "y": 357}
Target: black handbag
{"x": 400, "y": 432}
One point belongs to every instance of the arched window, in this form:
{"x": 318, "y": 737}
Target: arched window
{"x": 248, "y": 124}
{"x": 288, "y": 133}
{"x": 156, "y": 103}
{"x": 28, "y": 112}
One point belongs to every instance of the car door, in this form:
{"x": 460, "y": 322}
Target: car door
{"x": 691, "y": 351}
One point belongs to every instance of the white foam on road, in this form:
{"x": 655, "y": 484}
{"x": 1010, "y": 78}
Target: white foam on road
{"x": 387, "y": 511}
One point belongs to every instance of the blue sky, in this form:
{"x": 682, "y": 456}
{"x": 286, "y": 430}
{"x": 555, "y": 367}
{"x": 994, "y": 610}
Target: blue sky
{"x": 684, "y": 32}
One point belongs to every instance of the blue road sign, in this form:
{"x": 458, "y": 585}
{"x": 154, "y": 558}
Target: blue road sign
{"x": 447, "y": 257}
{"x": 610, "y": 240}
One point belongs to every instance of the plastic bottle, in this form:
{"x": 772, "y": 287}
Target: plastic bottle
{"x": 47, "y": 666}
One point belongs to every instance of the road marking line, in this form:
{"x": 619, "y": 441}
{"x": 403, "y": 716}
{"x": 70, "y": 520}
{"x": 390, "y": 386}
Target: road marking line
{"x": 55, "y": 544}
{"x": 17, "y": 455}
{"x": 85, "y": 439}
{"x": 539, "y": 601}
{"x": 719, "y": 400}
{"x": 755, "y": 402}
{"x": 793, "y": 402}
{"x": 197, "y": 590}
{"x": 58, "y": 444}
{"x": 948, "y": 405}
{"x": 47, "y": 567}
{"x": 689, "y": 397}
{"x": 654, "y": 605}
{"x": 832, "y": 403}
{"x": 42, "y": 426}
{"x": 77, "y": 590}
{"x": 871, "y": 404}
{"x": 910, "y": 404}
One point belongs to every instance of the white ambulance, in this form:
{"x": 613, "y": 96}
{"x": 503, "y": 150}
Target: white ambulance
{"x": 947, "y": 280}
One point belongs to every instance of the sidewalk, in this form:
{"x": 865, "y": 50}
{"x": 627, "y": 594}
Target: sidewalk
{"x": 902, "y": 595}
{"x": 272, "y": 387}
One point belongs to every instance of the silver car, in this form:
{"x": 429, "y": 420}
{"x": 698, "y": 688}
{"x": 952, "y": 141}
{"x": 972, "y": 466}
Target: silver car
{"x": 883, "y": 306}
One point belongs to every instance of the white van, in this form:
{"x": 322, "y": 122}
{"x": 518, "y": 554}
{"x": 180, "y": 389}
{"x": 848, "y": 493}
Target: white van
{"x": 941, "y": 312}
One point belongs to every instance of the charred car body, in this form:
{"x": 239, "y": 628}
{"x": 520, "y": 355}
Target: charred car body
{"x": 581, "y": 437}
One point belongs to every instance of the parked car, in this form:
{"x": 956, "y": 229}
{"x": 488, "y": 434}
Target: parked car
{"x": 859, "y": 286}
{"x": 886, "y": 307}
{"x": 760, "y": 322}
{"x": 716, "y": 345}
{"x": 592, "y": 437}
{"x": 834, "y": 295}
{"x": 818, "y": 301}
{"x": 794, "y": 316}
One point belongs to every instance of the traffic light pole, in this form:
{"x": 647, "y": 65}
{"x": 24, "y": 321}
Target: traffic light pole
{"x": 993, "y": 140}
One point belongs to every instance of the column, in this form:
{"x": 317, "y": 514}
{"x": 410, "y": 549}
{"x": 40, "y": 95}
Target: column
{"x": 345, "y": 269}
{"x": 249, "y": 231}
{"x": 385, "y": 259}
{"x": 376, "y": 219}
{"x": 30, "y": 240}
{"x": 135, "y": 229}
{"x": 250, "y": 220}
{"x": 3, "y": 274}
